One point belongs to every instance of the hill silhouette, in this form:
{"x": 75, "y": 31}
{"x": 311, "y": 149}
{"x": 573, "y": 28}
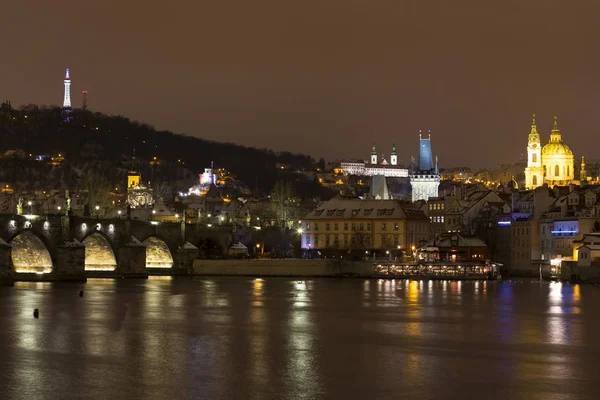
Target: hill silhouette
{"x": 93, "y": 137}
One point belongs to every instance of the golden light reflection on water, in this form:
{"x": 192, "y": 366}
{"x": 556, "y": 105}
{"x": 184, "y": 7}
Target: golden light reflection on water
{"x": 257, "y": 292}
{"x": 301, "y": 363}
{"x": 413, "y": 291}
{"x": 160, "y": 278}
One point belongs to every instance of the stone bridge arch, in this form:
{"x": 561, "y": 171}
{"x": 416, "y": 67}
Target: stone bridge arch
{"x": 99, "y": 252}
{"x": 158, "y": 253}
{"x": 29, "y": 253}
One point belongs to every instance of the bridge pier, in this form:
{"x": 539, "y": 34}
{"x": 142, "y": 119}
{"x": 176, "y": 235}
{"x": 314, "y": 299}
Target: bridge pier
{"x": 132, "y": 260}
{"x": 70, "y": 262}
{"x": 183, "y": 260}
{"x": 5, "y": 262}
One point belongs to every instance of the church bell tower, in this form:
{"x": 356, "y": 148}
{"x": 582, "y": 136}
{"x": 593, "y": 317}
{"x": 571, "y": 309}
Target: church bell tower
{"x": 534, "y": 173}
{"x": 373, "y": 155}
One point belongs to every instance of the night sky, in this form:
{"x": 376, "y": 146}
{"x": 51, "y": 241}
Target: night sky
{"x": 323, "y": 77}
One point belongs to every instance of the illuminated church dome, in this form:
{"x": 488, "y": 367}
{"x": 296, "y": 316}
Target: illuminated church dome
{"x": 557, "y": 160}
{"x": 556, "y": 145}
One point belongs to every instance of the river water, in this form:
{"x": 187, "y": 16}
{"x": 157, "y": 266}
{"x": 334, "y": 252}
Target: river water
{"x": 276, "y": 338}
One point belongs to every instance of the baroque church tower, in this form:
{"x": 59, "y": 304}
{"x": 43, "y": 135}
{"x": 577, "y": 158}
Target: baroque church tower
{"x": 373, "y": 155}
{"x": 534, "y": 173}
{"x": 394, "y": 155}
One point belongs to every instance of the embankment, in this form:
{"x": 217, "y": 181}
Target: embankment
{"x": 283, "y": 267}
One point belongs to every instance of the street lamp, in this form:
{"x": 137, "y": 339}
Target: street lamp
{"x": 29, "y": 203}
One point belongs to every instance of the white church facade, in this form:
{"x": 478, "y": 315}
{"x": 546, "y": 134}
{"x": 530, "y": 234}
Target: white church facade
{"x": 376, "y": 166}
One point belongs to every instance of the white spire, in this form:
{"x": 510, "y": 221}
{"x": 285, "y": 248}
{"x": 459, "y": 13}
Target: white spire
{"x": 67, "y": 98}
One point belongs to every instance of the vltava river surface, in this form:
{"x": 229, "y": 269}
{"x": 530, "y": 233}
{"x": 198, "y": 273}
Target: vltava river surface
{"x": 242, "y": 338}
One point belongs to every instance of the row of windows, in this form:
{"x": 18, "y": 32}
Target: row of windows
{"x": 360, "y": 226}
{"x": 353, "y": 240}
{"x": 566, "y": 170}
{"x": 521, "y": 231}
{"x": 436, "y": 206}
{"x": 437, "y": 219}
{"x": 559, "y": 243}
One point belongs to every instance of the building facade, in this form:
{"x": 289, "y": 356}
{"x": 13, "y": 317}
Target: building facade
{"x": 364, "y": 225}
{"x": 376, "y": 166}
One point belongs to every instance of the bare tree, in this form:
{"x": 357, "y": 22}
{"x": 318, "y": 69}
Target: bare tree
{"x": 281, "y": 202}
{"x": 162, "y": 191}
{"x": 98, "y": 191}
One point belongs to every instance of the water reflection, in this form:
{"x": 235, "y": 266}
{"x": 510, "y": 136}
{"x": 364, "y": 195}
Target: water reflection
{"x": 301, "y": 368}
{"x": 281, "y": 338}
{"x": 563, "y": 303}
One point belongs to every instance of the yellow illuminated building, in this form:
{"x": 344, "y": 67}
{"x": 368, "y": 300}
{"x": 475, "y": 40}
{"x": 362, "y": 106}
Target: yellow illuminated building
{"x": 364, "y": 224}
{"x": 552, "y": 164}
{"x": 133, "y": 179}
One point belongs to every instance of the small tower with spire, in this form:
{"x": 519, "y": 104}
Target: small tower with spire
{"x": 582, "y": 172}
{"x": 393, "y": 155}
{"x": 373, "y": 155}
{"x": 555, "y": 136}
{"x": 133, "y": 178}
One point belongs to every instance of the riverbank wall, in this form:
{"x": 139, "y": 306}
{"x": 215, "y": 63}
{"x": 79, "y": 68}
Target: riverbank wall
{"x": 283, "y": 267}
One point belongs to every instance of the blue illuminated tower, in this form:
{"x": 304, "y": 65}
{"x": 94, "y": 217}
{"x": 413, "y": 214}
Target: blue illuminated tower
{"x": 426, "y": 179}
{"x": 425, "y": 157}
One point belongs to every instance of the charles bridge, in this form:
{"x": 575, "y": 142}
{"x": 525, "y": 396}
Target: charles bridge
{"x": 59, "y": 247}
